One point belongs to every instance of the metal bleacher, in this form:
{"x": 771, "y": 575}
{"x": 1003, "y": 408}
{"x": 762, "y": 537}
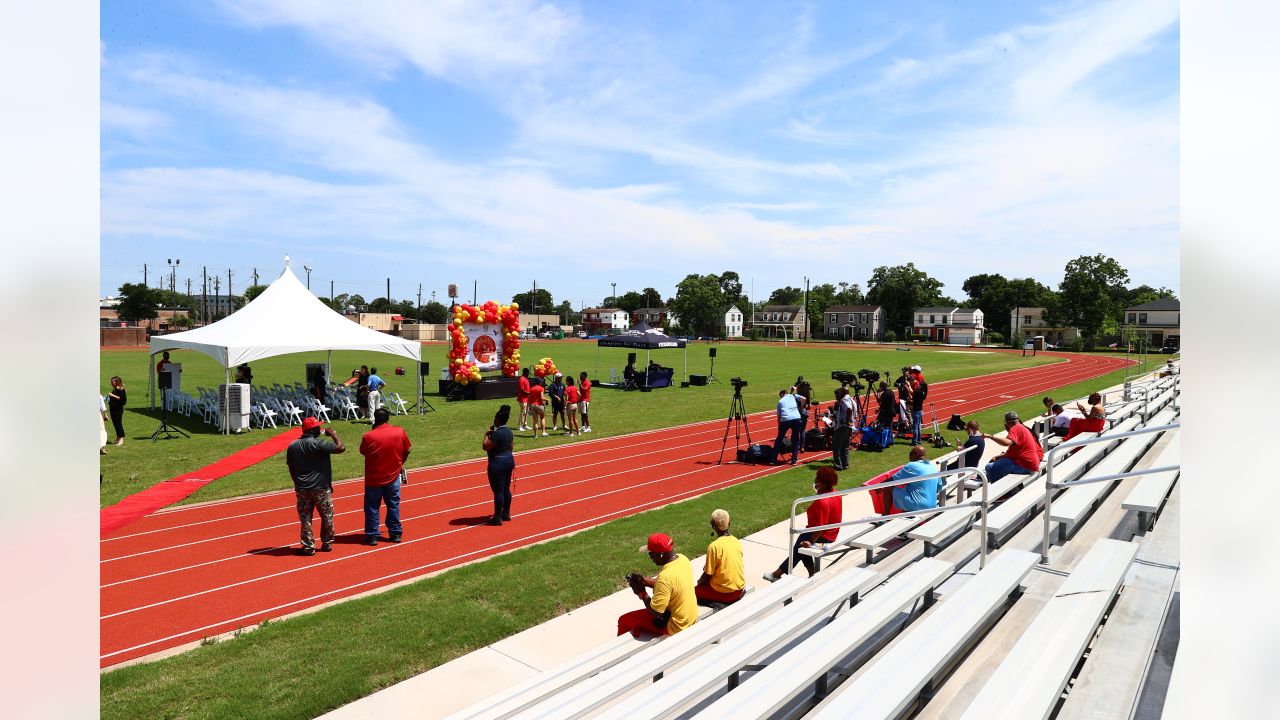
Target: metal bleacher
{"x": 934, "y": 629}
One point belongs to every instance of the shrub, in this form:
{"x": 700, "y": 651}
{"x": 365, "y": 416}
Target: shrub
{"x": 890, "y": 336}
{"x": 995, "y": 338}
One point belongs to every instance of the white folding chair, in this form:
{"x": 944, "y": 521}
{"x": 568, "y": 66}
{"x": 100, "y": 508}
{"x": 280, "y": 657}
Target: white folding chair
{"x": 266, "y": 414}
{"x": 397, "y": 404}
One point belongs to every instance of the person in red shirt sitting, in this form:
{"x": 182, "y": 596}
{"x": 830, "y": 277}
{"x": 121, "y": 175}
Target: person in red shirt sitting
{"x": 522, "y": 397}
{"x": 1094, "y": 420}
{"x": 823, "y": 511}
{"x": 1023, "y": 455}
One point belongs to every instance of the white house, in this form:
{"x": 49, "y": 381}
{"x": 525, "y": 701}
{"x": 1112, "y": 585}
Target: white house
{"x": 598, "y": 320}
{"x": 951, "y": 325}
{"x": 733, "y": 322}
{"x": 1158, "y": 321}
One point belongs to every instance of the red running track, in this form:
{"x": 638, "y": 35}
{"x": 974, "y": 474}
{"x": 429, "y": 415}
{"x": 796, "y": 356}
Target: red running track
{"x": 189, "y": 572}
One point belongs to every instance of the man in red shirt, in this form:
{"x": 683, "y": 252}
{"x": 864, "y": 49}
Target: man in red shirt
{"x": 385, "y": 448}
{"x": 537, "y": 412}
{"x": 584, "y": 400}
{"x": 522, "y": 397}
{"x": 1023, "y": 455}
{"x": 823, "y": 511}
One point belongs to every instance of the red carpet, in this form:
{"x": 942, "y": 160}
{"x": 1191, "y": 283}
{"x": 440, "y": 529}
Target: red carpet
{"x": 140, "y": 505}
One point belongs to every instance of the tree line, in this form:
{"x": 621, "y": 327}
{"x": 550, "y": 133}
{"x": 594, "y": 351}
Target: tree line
{"x": 1091, "y": 297}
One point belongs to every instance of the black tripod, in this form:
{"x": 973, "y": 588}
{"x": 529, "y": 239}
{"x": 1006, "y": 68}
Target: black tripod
{"x": 166, "y": 430}
{"x": 423, "y": 405}
{"x": 711, "y": 377}
{"x": 738, "y": 421}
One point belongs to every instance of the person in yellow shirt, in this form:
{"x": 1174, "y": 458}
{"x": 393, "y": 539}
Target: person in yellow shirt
{"x": 723, "y": 578}
{"x": 674, "y": 607}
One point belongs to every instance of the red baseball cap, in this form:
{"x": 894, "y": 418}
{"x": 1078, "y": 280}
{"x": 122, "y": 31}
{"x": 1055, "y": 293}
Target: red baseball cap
{"x": 660, "y": 543}
{"x": 310, "y": 424}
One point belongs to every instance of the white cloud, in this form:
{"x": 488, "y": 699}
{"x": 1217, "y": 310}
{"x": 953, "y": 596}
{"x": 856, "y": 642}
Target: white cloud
{"x": 133, "y": 120}
{"x": 448, "y": 39}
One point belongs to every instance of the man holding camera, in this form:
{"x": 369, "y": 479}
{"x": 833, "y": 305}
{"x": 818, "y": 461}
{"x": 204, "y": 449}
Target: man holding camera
{"x": 312, "y": 472}
{"x": 674, "y": 605}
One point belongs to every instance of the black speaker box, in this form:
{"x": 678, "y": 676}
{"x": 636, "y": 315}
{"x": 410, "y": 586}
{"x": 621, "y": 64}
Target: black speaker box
{"x": 631, "y": 358}
{"x": 424, "y": 368}
{"x": 711, "y": 352}
{"x": 697, "y": 379}
{"x": 166, "y": 380}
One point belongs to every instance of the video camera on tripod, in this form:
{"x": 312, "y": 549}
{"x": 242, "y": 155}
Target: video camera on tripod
{"x": 846, "y": 378}
{"x": 737, "y": 383}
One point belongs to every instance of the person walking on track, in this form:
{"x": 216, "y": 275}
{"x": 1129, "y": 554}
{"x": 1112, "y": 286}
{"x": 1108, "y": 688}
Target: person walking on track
{"x": 312, "y": 472}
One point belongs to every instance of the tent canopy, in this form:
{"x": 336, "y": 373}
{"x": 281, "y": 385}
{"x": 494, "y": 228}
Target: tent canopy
{"x": 286, "y": 318}
{"x": 642, "y": 337}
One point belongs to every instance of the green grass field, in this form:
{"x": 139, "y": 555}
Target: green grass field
{"x": 453, "y": 431}
{"x": 304, "y": 666}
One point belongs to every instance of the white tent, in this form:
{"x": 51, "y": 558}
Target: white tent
{"x": 286, "y": 318}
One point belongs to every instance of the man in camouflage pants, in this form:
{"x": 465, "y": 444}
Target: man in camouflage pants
{"x": 312, "y": 473}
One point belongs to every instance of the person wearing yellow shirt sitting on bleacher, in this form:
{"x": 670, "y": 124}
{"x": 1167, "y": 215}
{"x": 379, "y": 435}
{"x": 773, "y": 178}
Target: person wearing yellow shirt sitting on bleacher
{"x": 674, "y": 606}
{"x": 723, "y": 579}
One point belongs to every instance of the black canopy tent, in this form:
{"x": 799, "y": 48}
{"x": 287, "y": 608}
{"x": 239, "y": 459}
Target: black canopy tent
{"x": 643, "y": 337}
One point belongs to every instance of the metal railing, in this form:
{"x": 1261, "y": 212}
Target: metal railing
{"x": 982, "y": 505}
{"x": 1050, "y": 485}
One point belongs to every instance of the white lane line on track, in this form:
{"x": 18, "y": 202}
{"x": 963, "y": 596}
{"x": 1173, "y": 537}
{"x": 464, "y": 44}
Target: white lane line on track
{"x": 485, "y": 501}
{"x": 431, "y": 537}
{"x": 1036, "y": 381}
{"x": 421, "y": 498}
{"x": 589, "y": 522}
{"x": 520, "y": 454}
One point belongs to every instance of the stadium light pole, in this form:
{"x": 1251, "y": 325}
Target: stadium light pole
{"x": 308, "y": 269}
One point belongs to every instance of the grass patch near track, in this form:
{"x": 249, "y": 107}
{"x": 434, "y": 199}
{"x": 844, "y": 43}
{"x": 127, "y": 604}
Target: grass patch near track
{"x": 310, "y": 664}
{"x": 453, "y": 431}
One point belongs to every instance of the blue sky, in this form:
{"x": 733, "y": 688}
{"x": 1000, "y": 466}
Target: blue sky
{"x": 581, "y": 144}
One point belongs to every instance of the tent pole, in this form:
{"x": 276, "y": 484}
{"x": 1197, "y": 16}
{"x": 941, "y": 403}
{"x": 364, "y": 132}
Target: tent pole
{"x": 151, "y": 379}
{"x": 226, "y": 403}
{"x": 421, "y": 399}
{"x": 648, "y": 360}
{"x": 684, "y": 376}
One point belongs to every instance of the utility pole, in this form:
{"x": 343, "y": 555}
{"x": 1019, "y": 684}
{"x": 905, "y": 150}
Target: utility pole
{"x": 613, "y": 299}
{"x": 475, "y": 290}
{"x": 388, "y": 293}
{"x": 204, "y": 293}
{"x": 230, "y": 306}
{"x": 806, "y": 309}
{"x": 144, "y": 274}
{"x": 217, "y": 294}
{"x": 331, "y": 294}
{"x": 533, "y": 298}
{"x": 255, "y": 277}
{"x": 433, "y": 296}
{"x": 304, "y": 267}
{"x": 419, "y": 316}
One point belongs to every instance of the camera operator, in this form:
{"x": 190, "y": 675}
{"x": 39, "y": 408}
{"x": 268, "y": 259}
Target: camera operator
{"x": 888, "y": 405}
{"x": 919, "y": 391}
{"x": 789, "y": 421}
{"x": 842, "y": 430}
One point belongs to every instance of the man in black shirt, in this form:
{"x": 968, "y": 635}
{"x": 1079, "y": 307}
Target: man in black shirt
{"x": 974, "y": 440}
{"x": 888, "y": 405}
{"x": 309, "y": 466}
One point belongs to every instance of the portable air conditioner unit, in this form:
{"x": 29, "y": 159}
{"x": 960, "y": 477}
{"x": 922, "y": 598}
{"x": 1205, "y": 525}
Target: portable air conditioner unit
{"x": 233, "y": 405}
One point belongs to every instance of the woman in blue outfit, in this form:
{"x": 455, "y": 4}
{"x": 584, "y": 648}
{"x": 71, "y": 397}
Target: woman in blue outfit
{"x": 498, "y": 442}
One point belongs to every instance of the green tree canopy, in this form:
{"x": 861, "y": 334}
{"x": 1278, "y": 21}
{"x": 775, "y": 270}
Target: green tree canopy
{"x": 786, "y": 296}
{"x": 252, "y": 292}
{"x": 381, "y": 305}
{"x": 997, "y": 297}
{"x": 1091, "y": 296}
{"x": 567, "y": 314}
{"x": 900, "y": 289}
{"x": 529, "y": 300}
{"x": 699, "y": 304}
{"x": 435, "y": 313}
{"x": 849, "y": 294}
{"x": 137, "y": 302}
{"x": 1145, "y": 294}
{"x": 821, "y": 297}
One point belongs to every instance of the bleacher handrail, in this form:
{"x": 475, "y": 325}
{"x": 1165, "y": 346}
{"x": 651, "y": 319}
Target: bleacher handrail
{"x": 982, "y": 504}
{"x": 1050, "y": 485}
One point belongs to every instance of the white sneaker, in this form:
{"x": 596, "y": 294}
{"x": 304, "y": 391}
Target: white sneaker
{"x": 545, "y": 435}
{"x": 586, "y": 429}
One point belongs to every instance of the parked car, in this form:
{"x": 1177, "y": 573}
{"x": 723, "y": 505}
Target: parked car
{"x": 582, "y": 334}
{"x": 545, "y": 335}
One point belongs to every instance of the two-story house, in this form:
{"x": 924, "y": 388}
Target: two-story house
{"x": 733, "y": 322}
{"x": 951, "y": 325}
{"x": 1028, "y": 322}
{"x": 781, "y": 320}
{"x": 853, "y": 322}
{"x": 654, "y": 317}
{"x": 600, "y": 320}
{"x": 1158, "y": 321}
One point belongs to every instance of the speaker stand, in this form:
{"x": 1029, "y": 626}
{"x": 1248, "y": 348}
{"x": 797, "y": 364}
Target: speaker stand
{"x": 711, "y": 377}
{"x": 166, "y": 430}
